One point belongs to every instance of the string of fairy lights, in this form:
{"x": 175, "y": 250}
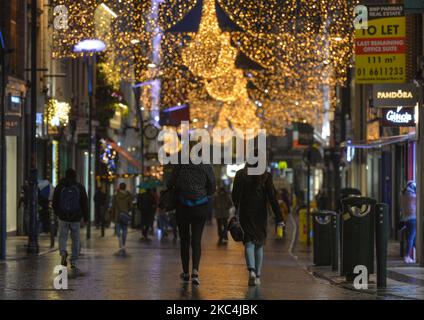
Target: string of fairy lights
{"x": 303, "y": 48}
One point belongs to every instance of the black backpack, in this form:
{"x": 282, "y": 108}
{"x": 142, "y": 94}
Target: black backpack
{"x": 70, "y": 201}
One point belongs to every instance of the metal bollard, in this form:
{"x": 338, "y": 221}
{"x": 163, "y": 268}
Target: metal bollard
{"x": 335, "y": 242}
{"x": 52, "y": 227}
{"x": 381, "y": 240}
{"x": 102, "y": 223}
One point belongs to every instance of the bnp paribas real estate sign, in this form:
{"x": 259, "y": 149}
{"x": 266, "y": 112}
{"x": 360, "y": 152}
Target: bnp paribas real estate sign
{"x": 380, "y": 45}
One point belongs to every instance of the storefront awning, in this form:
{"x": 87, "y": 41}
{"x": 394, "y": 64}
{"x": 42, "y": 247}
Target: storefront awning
{"x": 380, "y": 142}
{"x": 125, "y": 154}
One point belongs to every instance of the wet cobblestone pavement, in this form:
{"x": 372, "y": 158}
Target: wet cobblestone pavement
{"x": 151, "y": 271}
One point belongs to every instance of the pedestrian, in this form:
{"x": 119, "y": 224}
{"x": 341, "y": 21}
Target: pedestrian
{"x": 100, "y": 199}
{"x": 321, "y": 200}
{"x": 222, "y": 205}
{"x": 409, "y": 217}
{"x": 45, "y": 192}
{"x": 70, "y": 205}
{"x": 193, "y": 183}
{"x": 163, "y": 223}
{"x": 147, "y": 204}
{"x": 285, "y": 204}
{"x": 121, "y": 208}
{"x": 172, "y": 218}
{"x": 250, "y": 195}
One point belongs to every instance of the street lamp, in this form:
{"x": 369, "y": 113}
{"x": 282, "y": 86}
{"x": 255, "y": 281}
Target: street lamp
{"x": 87, "y": 47}
{"x": 137, "y": 95}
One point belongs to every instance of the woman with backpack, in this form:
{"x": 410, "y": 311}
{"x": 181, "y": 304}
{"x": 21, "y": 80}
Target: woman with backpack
{"x": 251, "y": 194}
{"x": 121, "y": 207}
{"x": 194, "y": 184}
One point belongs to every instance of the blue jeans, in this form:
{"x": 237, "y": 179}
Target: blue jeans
{"x": 64, "y": 228}
{"x": 121, "y": 233}
{"x": 411, "y": 232}
{"x": 254, "y": 257}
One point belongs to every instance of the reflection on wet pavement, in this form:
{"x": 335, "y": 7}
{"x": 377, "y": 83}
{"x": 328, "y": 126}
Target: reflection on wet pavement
{"x": 151, "y": 271}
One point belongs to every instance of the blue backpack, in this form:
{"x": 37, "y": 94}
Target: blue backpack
{"x": 70, "y": 201}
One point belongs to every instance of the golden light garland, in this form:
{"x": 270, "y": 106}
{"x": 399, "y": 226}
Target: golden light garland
{"x": 210, "y": 54}
{"x": 80, "y": 26}
{"x": 56, "y": 113}
{"x": 304, "y": 46}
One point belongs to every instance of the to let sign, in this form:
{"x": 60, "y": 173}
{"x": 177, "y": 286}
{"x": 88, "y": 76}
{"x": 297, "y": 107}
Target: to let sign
{"x": 380, "y": 49}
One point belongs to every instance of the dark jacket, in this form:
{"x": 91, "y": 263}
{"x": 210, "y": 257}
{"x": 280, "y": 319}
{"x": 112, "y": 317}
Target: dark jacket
{"x": 77, "y": 216}
{"x": 147, "y": 204}
{"x": 222, "y": 204}
{"x": 193, "y": 181}
{"x": 122, "y": 202}
{"x": 251, "y": 194}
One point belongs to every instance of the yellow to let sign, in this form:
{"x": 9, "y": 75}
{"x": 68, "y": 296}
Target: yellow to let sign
{"x": 380, "y": 50}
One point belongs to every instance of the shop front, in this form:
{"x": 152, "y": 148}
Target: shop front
{"x": 15, "y": 100}
{"x": 381, "y": 166}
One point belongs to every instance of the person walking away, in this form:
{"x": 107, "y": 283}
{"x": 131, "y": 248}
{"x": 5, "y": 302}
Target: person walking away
{"x": 121, "y": 208}
{"x": 194, "y": 184}
{"x": 409, "y": 217}
{"x": 70, "y": 205}
{"x": 250, "y": 195}
{"x": 222, "y": 206}
{"x": 163, "y": 224}
{"x": 100, "y": 199}
{"x": 172, "y": 219}
{"x": 147, "y": 205}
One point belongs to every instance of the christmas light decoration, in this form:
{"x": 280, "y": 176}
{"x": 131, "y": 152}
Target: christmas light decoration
{"x": 56, "y": 114}
{"x": 304, "y": 47}
{"x": 108, "y": 156}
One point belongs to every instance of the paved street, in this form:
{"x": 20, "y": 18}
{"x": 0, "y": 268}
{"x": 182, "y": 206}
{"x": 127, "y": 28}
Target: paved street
{"x": 151, "y": 270}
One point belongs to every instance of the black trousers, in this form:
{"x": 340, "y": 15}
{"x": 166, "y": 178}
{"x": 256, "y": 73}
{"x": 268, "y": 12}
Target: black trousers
{"x": 222, "y": 228}
{"x": 191, "y": 221}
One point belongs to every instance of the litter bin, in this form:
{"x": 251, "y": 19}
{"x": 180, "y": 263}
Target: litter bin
{"x": 323, "y": 232}
{"x": 357, "y": 229}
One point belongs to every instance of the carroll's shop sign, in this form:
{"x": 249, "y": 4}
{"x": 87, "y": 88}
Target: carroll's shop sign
{"x": 398, "y": 117}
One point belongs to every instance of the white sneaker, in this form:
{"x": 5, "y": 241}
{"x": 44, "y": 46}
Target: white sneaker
{"x": 408, "y": 260}
{"x": 252, "y": 278}
{"x": 258, "y": 281}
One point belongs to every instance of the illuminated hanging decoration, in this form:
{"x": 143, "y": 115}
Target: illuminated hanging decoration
{"x": 210, "y": 54}
{"x": 80, "y": 25}
{"x": 56, "y": 114}
{"x": 108, "y": 156}
{"x": 304, "y": 47}
{"x": 228, "y": 87}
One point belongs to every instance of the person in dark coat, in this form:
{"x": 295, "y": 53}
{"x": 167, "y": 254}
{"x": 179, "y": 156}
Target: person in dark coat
{"x": 222, "y": 205}
{"x": 147, "y": 204}
{"x": 195, "y": 185}
{"x": 100, "y": 200}
{"x": 250, "y": 195}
